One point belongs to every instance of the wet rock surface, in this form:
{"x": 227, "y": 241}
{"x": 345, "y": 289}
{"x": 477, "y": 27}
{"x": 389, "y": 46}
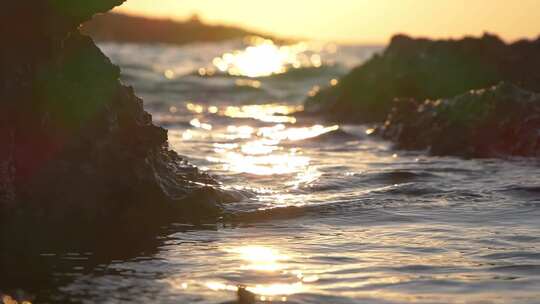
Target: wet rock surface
{"x": 427, "y": 69}
{"x": 78, "y": 149}
{"x": 500, "y": 121}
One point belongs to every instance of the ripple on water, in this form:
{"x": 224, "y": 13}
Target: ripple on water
{"x": 327, "y": 213}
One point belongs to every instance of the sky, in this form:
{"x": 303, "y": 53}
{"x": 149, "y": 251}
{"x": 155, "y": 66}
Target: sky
{"x": 357, "y": 21}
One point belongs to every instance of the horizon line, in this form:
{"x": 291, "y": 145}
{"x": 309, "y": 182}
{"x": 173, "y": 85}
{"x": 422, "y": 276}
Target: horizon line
{"x": 263, "y": 32}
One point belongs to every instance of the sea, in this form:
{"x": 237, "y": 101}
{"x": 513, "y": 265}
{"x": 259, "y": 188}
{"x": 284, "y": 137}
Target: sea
{"x": 328, "y": 213}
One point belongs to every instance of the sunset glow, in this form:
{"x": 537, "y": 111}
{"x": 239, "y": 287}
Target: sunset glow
{"x": 357, "y": 20}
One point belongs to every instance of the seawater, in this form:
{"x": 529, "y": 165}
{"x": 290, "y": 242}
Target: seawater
{"x": 329, "y": 214}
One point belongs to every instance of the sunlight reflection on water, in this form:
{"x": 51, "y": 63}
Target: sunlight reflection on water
{"x": 264, "y": 58}
{"x": 259, "y": 258}
{"x": 280, "y": 163}
{"x": 333, "y": 218}
{"x": 262, "y": 151}
{"x": 274, "y": 113}
{"x": 263, "y": 154}
{"x": 264, "y": 259}
{"x": 255, "y": 260}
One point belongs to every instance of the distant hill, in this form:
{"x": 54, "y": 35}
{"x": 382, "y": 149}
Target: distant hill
{"x": 127, "y": 28}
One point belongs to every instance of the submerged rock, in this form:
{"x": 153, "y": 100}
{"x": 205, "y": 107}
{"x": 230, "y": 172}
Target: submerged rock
{"x": 77, "y": 147}
{"x": 426, "y": 69}
{"x": 502, "y": 120}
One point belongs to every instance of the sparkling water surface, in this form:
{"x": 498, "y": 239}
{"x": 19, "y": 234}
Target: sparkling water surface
{"x": 330, "y": 214}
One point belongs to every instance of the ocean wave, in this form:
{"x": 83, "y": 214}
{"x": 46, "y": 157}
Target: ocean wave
{"x": 524, "y": 190}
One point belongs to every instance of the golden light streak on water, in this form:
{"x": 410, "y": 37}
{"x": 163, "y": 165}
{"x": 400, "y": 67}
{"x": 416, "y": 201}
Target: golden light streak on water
{"x": 272, "y": 113}
{"x": 261, "y": 152}
{"x": 195, "y": 108}
{"x": 262, "y": 259}
{"x": 198, "y": 124}
{"x": 169, "y": 74}
{"x": 281, "y": 133}
{"x": 259, "y": 258}
{"x": 274, "y": 164}
{"x": 278, "y": 289}
{"x": 264, "y": 58}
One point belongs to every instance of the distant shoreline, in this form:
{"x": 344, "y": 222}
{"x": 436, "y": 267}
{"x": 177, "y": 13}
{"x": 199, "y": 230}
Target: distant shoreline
{"x": 123, "y": 28}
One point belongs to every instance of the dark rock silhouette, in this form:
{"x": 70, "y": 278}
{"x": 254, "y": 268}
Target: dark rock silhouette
{"x": 135, "y": 29}
{"x": 503, "y": 120}
{"x": 77, "y": 147}
{"x": 426, "y": 69}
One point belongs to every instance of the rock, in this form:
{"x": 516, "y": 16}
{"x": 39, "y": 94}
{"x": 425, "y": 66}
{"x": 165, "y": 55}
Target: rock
{"x": 426, "y": 69}
{"x": 245, "y": 296}
{"x": 499, "y": 121}
{"x": 78, "y": 149}
{"x": 7, "y": 174}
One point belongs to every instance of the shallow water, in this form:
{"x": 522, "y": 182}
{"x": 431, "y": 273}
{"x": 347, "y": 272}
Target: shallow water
{"x": 330, "y": 215}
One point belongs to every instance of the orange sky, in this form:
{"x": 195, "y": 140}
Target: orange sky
{"x": 368, "y": 21}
